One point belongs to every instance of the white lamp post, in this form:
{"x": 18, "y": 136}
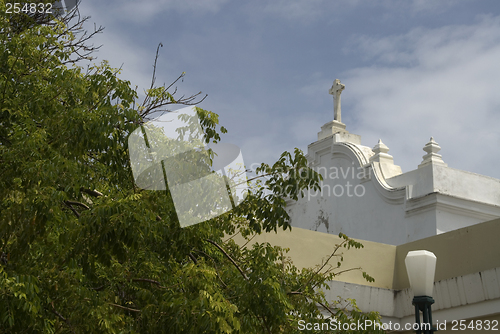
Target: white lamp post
{"x": 421, "y": 268}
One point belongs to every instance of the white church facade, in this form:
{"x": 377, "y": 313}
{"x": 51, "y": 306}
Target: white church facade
{"x": 365, "y": 195}
{"x": 453, "y": 213}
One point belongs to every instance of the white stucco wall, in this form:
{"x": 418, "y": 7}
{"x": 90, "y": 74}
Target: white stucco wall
{"x": 366, "y": 196}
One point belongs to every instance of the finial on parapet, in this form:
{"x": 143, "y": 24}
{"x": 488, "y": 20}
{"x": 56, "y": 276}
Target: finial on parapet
{"x": 381, "y": 154}
{"x": 431, "y": 148}
{"x": 383, "y": 163}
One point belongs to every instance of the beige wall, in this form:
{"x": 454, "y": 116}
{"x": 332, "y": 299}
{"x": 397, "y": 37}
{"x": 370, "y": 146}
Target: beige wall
{"x": 309, "y": 248}
{"x": 460, "y": 252}
{"x": 465, "y": 251}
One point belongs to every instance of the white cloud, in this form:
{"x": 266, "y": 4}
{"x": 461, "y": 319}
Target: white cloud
{"x": 429, "y": 5}
{"x": 427, "y": 82}
{"x": 145, "y": 10}
{"x": 306, "y": 11}
{"x": 295, "y": 9}
{"x": 432, "y": 82}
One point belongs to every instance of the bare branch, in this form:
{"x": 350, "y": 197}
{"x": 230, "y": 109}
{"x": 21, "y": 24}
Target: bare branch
{"x": 151, "y": 104}
{"x": 330, "y": 257}
{"x": 324, "y": 264}
{"x": 153, "y": 78}
{"x": 346, "y": 270}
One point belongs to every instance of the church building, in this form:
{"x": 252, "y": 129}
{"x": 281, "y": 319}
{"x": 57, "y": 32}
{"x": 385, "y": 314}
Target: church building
{"x": 365, "y": 195}
{"x": 453, "y": 213}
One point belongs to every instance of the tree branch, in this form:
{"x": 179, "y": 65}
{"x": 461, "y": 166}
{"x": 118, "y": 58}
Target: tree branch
{"x": 72, "y": 209}
{"x": 151, "y": 103}
{"x": 215, "y": 266}
{"x": 149, "y": 281}
{"x": 59, "y": 315}
{"x": 124, "y": 308}
{"x": 229, "y": 257}
{"x": 93, "y": 193}
{"x": 343, "y": 271}
{"x": 327, "y": 308}
{"x": 193, "y": 258}
{"x": 326, "y": 262}
{"x": 77, "y": 203}
{"x": 321, "y": 268}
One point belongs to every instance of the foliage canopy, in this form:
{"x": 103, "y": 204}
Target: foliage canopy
{"x": 83, "y": 250}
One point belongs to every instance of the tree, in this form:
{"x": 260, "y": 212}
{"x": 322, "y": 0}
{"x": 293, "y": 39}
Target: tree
{"x": 83, "y": 250}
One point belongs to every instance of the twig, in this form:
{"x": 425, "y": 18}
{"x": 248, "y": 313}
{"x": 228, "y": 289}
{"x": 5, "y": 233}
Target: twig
{"x": 326, "y": 262}
{"x": 244, "y": 245}
{"x": 124, "y": 308}
{"x": 149, "y": 104}
{"x": 232, "y": 236}
{"x": 321, "y": 268}
{"x": 343, "y": 271}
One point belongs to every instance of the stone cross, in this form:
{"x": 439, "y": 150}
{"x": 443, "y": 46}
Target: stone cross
{"x": 336, "y": 89}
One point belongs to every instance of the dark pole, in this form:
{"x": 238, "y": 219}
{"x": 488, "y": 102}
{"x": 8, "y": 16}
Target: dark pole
{"x": 423, "y": 304}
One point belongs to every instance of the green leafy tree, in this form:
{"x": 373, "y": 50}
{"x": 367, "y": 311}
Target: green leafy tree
{"x": 83, "y": 250}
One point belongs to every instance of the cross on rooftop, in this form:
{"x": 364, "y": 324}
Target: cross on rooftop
{"x": 336, "y": 89}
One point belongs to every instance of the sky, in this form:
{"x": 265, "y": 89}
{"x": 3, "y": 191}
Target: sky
{"x": 412, "y": 69}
